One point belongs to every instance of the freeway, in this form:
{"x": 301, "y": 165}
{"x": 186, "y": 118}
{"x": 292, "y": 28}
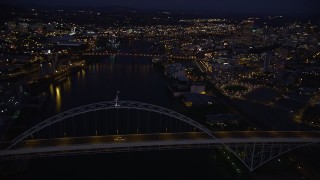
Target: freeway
{"x": 221, "y": 137}
{"x": 267, "y": 134}
{"x": 160, "y": 141}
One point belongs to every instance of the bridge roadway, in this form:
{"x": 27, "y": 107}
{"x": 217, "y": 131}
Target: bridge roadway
{"x": 111, "y": 143}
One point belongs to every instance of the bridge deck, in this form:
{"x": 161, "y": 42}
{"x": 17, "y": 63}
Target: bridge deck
{"x": 138, "y": 140}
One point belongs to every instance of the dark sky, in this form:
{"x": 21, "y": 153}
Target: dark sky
{"x": 221, "y": 6}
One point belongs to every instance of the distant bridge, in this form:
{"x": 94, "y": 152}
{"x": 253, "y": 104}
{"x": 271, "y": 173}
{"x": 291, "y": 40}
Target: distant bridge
{"x": 125, "y": 126}
{"x": 138, "y": 54}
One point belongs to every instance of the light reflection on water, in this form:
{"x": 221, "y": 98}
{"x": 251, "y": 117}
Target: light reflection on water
{"x": 58, "y": 99}
{"x": 51, "y": 90}
{"x": 67, "y": 85}
{"x": 55, "y": 93}
{"x": 101, "y": 79}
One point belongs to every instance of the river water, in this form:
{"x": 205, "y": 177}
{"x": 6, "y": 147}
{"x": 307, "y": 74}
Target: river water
{"x": 137, "y": 80}
{"x": 134, "y": 77}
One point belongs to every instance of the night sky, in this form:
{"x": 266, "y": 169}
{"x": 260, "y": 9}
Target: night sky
{"x": 220, "y": 6}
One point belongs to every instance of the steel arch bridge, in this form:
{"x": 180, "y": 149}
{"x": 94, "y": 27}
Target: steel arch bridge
{"x": 253, "y": 150}
{"x": 108, "y": 105}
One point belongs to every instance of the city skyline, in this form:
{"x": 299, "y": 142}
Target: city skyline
{"x": 203, "y": 6}
{"x": 209, "y": 95}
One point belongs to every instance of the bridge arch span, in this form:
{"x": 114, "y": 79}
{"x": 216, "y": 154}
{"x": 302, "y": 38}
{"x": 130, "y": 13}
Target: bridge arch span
{"x": 105, "y": 106}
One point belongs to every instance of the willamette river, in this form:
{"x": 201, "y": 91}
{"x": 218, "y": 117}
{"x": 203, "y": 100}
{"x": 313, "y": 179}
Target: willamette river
{"x": 137, "y": 80}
